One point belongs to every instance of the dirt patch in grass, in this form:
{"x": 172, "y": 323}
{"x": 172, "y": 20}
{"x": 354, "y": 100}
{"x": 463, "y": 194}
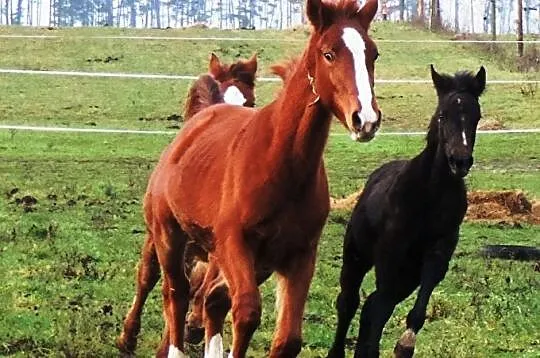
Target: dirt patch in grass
{"x": 488, "y": 206}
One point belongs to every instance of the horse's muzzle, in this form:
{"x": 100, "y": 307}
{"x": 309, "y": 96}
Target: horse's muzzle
{"x": 364, "y": 131}
{"x": 460, "y": 166}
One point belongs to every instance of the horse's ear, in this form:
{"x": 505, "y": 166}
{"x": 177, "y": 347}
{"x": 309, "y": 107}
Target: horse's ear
{"x": 442, "y": 83}
{"x": 214, "y": 67}
{"x": 318, "y": 14}
{"x": 480, "y": 81}
{"x": 367, "y": 13}
{"x": 251, "y": 64}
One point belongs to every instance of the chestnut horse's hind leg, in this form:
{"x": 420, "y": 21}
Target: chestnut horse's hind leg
{"x": 236, "y": 263}
{"x": 355, "y": 266}
{"x": 147, "y": 277}
{"x": 170, "y": 246}
{"x": 292, "y": 291}
{"x": 194, "y": 330}
{"x": 217, "y": 304}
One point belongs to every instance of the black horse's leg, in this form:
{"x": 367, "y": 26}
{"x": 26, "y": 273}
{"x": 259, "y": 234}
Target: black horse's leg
{"x": 375, "y": 313}
{"x": 353, "y": 271}
{"x": 433, "y": 271}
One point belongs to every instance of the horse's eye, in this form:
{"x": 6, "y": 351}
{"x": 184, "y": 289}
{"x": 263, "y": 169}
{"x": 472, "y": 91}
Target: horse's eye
{"x": 329, "y": 56}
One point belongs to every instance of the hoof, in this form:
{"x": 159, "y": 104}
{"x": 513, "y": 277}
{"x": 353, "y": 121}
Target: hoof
{"x": 405, "y": 346}
{"x": 334, "y": 354}
{"x": 127, "y": 349}
{"x": 194, "y": 335}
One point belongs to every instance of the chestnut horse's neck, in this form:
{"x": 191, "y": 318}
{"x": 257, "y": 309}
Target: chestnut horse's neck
{"x": 299, "y": 127}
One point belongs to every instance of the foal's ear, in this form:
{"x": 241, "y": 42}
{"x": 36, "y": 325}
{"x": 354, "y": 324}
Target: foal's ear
{"x": 480, "y": 81}
{"x": 318, "y": 14}
{"x": 368, "y": 12}
{"x": 251, "y": 64}
{"x": 214, "y": 67}
{"x": 442, "y": 83}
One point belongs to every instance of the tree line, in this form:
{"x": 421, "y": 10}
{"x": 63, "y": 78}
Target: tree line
{"x": 459, "y": 15}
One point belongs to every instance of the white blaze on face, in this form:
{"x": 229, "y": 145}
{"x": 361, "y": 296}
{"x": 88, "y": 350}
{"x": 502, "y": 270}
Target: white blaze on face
{"x": 215, "y": 347}
{"x": 463, "y": 135}
{"x": 233, "y": 96}
{"x": 354, "y": 42}
{"x": 174, "y": 352}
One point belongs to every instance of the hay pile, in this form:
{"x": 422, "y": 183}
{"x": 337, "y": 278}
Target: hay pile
{"x": 508, "y": 206}
{"x": 488, "y": 206}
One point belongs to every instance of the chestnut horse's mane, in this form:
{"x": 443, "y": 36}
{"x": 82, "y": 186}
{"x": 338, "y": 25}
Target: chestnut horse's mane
{"x": 203, "y": 93}
{"x": 285, "y": 69}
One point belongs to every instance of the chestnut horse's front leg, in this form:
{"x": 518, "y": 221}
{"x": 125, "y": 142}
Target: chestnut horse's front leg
{"x": 236, "y": 262}
{"x": 292, "y": 291}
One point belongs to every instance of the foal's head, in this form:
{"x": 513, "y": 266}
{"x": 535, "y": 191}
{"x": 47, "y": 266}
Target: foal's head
{"x": 341, "y": 63}
{"x": 457, "y": 116}
{"x": 236, "y": 81}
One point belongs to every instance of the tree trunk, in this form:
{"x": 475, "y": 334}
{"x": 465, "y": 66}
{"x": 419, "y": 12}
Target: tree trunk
{"x": 420, "y": 10}
{"x": 7, "y": 12}
{"x": 493, "y": 20}
{"x": 157, "y": 8}
{"x": 520, "y": 27}
{"x": 456, "y": 16}
{"x": 435, "y": 15}
{"x": 472, "y": 17}
{"x": 133, "y": 14}
{"x": 401, "y": 10}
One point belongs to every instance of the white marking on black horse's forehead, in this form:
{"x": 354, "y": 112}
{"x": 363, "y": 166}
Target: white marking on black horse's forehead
{"x": 355, "y": 43}
{"x": 464, "y": 137}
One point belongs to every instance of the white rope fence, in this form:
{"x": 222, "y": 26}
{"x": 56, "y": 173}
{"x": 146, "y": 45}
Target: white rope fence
{"x": 247, "y": 39}
{"x": 161, "y": 132}
{"x": 190, "y": 77}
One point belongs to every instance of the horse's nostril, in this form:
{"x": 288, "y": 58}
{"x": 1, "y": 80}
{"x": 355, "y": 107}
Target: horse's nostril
{"x": 356, "y": 120}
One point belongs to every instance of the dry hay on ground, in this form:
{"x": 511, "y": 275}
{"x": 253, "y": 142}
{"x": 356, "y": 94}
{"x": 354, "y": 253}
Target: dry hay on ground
{"x": 489, "y": 206}
{"x": 490, "y": 124}
{"x": 507, "y": 206}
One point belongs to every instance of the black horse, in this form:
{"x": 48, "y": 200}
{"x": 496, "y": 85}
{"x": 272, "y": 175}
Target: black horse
{"x": 406, "y": 221}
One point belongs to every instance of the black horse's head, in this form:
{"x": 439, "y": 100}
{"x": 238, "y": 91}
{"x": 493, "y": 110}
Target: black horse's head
{"x": 458, "y": 112}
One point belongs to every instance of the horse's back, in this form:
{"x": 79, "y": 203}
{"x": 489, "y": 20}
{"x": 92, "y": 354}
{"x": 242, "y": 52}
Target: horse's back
{"x": 192, "y": 171}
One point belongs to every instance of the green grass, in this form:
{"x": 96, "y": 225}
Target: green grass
{"x": 72, "y": 260}
{"x": 68, "y": 266}
{"x": 137, "y": 103}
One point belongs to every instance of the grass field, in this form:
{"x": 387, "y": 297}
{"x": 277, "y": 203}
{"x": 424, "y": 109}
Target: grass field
{"x": 67, "y": 262}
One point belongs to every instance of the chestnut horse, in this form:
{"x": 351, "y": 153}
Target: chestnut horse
{"x": 207, "y": 284}
{"x": 249, "y": 186}
{"x": 233, "y": 84}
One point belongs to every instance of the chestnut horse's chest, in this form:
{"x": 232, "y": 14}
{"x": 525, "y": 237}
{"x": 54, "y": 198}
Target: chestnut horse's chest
{"x": 291, "y": 231}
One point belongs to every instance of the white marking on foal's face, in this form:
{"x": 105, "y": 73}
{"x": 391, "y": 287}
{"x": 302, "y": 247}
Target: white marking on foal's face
{"x": 233, "y": 96}
{"x": 174, "y": 352}
{"x": 215, "y": 347}
{"x": 463, "y": 135}
{"x": 354, "y": 42}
